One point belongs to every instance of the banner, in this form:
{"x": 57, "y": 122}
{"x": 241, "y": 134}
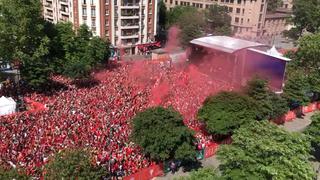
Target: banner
{"x": 147, "y": 173}
{"x": 210, "y": 150}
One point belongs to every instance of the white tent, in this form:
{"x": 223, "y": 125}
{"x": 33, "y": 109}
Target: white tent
{"x": 7, "y": 106}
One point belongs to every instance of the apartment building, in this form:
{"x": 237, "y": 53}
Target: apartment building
{"x": 58, "y": 10}
{"x": 126, "y": 23}
{"x": 247, "y": 15}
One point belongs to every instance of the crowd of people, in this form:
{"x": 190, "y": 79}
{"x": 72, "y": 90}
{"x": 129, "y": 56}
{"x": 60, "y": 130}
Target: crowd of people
{"x": 98, "y": 117}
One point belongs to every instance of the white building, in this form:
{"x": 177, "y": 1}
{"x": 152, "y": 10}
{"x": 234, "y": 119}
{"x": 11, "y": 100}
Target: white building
{"x": 126, "y": 23}
{"x": 58, "y": 10}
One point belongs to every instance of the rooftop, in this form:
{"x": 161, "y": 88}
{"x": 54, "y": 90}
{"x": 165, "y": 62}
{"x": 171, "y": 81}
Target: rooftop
{"x": 277, "y": 15}
{"x": 225, "y": 43}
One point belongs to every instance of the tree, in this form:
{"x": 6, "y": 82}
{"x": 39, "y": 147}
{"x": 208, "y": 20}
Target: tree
{"x": 76, "y": 67}
{"x": 189, "y": 20}
{"x": 162, "y": 135}
{"x": 73, "y": 164}
{"x": 162, "y": 15}
{"x": 218, "y": 20}
{"x": 98, "y": 50}
{"x": 202, "y": 174}
{"x": 306, "y": 15}
{"x": 273, "y": 5}
{"x": 227, "y": 111}
{"x": 62, "y": 39}
{"x": 269, "y": 104}
{"x": 261, "y": 150}
{"x": 296, "y": 89}
{"x": 279, "y": 105}
{"x": 308, "y": 53}
{"x": 313, "y": 130}
{"x": 12, "y": 174}
{"x": 22, "y": 38}
{"x": 76, "y": 53}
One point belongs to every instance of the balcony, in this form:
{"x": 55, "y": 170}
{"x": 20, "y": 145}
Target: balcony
{"x": 48, "y": 5}
{"x": 129, "y": 35}
{"x": 134, "y": 16}
{"x": 130, "y": 6}
{"x": 130, "y": 27}
{"x": 129, "y": 44}
{"x": 64, "y": 12}
{"x": 64, "y": 2}
{"x": 50, "y": 14}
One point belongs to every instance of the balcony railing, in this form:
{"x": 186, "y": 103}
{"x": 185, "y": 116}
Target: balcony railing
{"x": 129, "y": 34}
{"x": 48, "y": 5}
{"x": 129, "y": 4}
{"x": 129, "y": 14}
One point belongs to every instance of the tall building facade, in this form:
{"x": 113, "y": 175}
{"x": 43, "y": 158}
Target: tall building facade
{"x": 58, "y": 10}
{"x": 247, "y": 16}
{"x": 126, "y": 23}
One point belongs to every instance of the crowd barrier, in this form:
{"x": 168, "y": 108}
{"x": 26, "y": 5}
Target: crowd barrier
{"x": 147, "y": 173}
{"x": 210, "y": 150}
{"x": 291, "y": 115}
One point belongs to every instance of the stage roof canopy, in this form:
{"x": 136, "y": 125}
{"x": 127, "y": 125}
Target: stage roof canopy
{"x": 225, "y": 43}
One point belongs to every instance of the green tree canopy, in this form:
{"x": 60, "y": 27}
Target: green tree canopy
{"x": 162, "y": 135}
{"x": 12, "y": 174}
{"x": 269, "y": 104}
{"x": 218, "y": 20}
{"x": 162, "y": 15}
{"x": 273, "y": 5}
{"x": 227, "y": 111}
{"x": 261, "y": 150}
{"x": 202, "y": 174}
{"x": 22, "y": 38}
{"x": 308, "y": 53}
{"x": 73, "y": 164}
{"x": 189, "y": 20}
{"x": 306, "y": 15}
{"x": 313, "y": 130}
{"x": 296, "y": 88}
{"x": 74, "y": 54}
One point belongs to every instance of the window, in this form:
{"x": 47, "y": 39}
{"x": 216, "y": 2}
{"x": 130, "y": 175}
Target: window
{"x": 239, "y": 1}
{"x": 171, "y": 1}
{"x": 93, "y": 23}
{"x": 201, "y": 5}
{"x": 261, "y": 8}
{"x": 242, "y": 11}
{"x": 176, "y": 2}
{"x": 238, "y": 10}
{"x": 84, "y": 11}
{"x": 91, "y": 2}
{"x": 260, "y": 17}
{"x": 231, "y": 1}
{"x": 84, "y": 1}
{"x": 241, "y": 20}
{"x": 207, "y": 6}
{"x": 236, "y": 20}
{"x": 93, "y": 12}
{"x": 230, "y": 9}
